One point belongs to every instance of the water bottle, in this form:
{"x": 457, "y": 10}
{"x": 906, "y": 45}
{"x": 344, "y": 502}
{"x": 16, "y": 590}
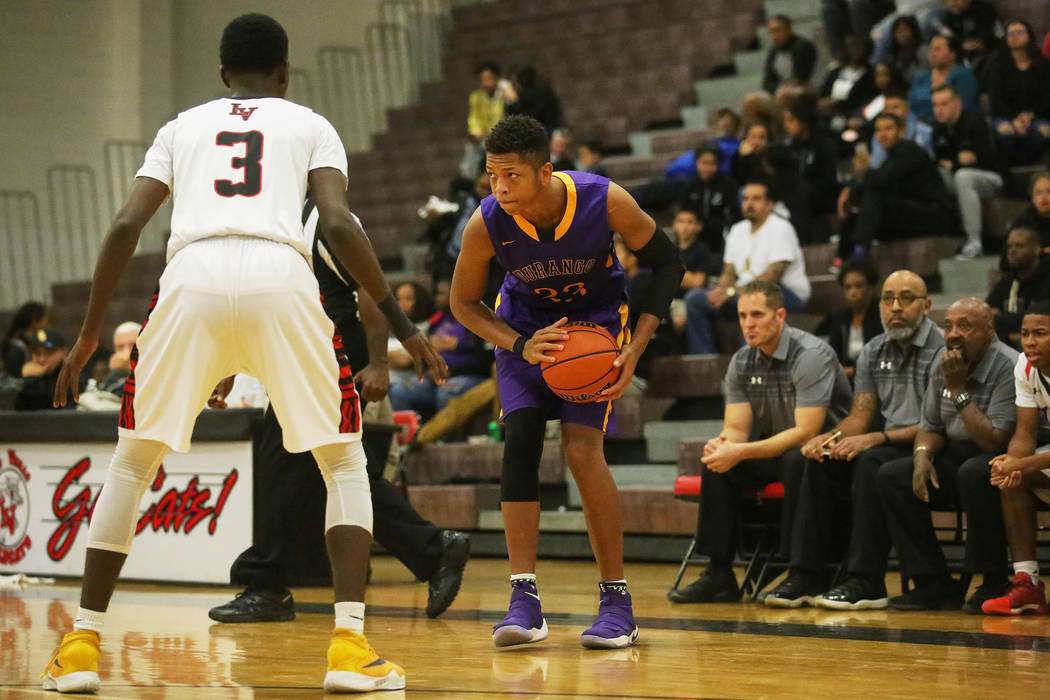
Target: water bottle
{"x": 495, "y": 431}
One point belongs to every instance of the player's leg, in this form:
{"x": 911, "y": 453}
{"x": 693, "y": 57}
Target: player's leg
{"x": 1027, "y": 593}
{"x": 520, "y": 505}
{"x": 584, "y": 448}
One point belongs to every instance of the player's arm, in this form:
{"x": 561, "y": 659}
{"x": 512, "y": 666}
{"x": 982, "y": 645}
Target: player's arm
{"x": 468, "y": 286}
{"x": 655, "y": 251}
{"x": 351, "y": 246}
{"x": 374, "y": 380}
{"x": 145, "y": 198}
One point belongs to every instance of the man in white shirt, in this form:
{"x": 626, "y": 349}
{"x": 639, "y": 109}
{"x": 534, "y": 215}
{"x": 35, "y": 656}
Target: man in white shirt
{"x": 1023, "y": 473}
{"x": 762, "y": 246}
{"x": 238, "y": 295}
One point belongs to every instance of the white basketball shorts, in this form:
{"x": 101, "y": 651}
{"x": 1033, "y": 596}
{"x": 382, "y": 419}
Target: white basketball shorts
{"x": 240, "y": 304}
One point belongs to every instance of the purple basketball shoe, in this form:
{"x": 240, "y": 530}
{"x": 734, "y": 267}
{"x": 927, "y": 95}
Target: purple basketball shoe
{"x": 524, "y": 622}
{"x": 614, "y": 628}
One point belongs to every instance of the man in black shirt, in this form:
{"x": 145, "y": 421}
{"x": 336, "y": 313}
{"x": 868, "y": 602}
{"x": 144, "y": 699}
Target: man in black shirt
{"x": 975, "y": 25}
{"x": 791, "y": 57}
{"x": 290, "y": 494}
{"x": 965, "y": 151}
{"x": 902, "y": 198}
{"x": 1026, "y": 279}
{"x": 713, "y": 197}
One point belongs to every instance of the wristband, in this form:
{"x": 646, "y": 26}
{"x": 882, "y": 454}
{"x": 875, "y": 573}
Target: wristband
{"x": 885, "y": 437}
{"x": 401, "y": 327}
{"x": 519, "y": 346}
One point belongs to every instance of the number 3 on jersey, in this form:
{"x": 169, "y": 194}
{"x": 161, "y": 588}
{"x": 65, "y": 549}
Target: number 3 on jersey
{"x": 251, "y": 185}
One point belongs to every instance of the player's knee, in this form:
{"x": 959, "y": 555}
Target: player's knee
{"x": 135, "y": 460}
{"x": 345, "y": 471}
{"x": 521, "y": 455}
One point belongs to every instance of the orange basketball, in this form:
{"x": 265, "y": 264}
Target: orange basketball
{"x": 585, "y": 366}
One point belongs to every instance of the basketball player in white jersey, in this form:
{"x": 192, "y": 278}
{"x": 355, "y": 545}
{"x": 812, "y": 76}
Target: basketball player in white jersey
{"x": 238, "y": 295}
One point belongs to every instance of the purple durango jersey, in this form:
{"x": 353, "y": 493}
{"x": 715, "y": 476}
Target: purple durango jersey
{"x": 576, "y": 271}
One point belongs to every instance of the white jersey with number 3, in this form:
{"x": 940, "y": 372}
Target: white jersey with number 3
{"x": 238, "y": 167}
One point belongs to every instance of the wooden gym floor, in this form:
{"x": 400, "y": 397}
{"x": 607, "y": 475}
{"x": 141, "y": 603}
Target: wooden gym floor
{"x": 159, "y": 643}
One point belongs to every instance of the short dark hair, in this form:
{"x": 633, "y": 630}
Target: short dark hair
{"x": 1038, "y": 308}
{"x": 861, "y": 266}
{"x": 594, "y": 146}
{"x": 947, "y": 87}
{"x": 253, "y": 43}
{"x": 1029, "y": 232}
{"x": 522, "y": 135}
{"x": 711, "y": 148}
{"x": 727, "y": 112}
{"x": 897, "y": 121}
{"x": 782, "y": 19}
{"x": 689, "y": 210}
{"x": 896, "y": 91}
{"x": 1036, "y": 177}
{"x": 487, "y": 66}
{"x": 954, "y": 45}
{"x": 761, "y": 183}
{"x": 774, "y": 294}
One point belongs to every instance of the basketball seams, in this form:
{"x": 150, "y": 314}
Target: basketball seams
{"x": 578, "y": 357}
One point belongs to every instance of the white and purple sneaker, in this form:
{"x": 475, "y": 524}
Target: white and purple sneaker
{"x": 614, "y": 628}
{"x": 524, "y": 622}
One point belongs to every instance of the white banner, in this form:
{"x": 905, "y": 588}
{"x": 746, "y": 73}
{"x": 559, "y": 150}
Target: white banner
{"x": 194, "y": 519}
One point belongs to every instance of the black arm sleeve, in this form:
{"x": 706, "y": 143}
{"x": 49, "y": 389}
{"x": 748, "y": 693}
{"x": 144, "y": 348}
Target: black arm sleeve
{"x": 663, "y": 258}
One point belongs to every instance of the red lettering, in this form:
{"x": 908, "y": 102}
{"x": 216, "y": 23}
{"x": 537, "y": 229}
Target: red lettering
{"x": 70, "y": 513}
{"x": 13, "y": 556}
{"x": 184, "y": 510}
{"x": 227, "y": 486}
{"x": 17, "y": 464}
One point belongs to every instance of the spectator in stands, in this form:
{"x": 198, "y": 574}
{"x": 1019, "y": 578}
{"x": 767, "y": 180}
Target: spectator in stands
{"x": 727, "y": 139}
{"x": 47, "y": 349}
{"x": 892, "y": 373}
{"x": 30, "y": 318}
{"x": 968, "y": 415}
{"x": 486, "y": 108}
{"x": 905, "y": 52}
{"x": 1026, "y": 279}
{"x": 469, "y": 363}
{"x": 418, "y": 304}
{"x": 589, "y": 158}
{"x": 905, "y": 197}
{"x": 712, "y": 196}
{"x": 1021, "y": 473}
{"x": 843, "y": 18}
{"x": 761, "y": 247}
{"x": 700, "y": 262}
{"x": 945, "y": 69}
{"x": 1018, "y": 96}
{"x": 534, "y": 97}
{"x": 851, "y": 85}
{"x": 975, "y": 25}
{"x": 783, "y": 388}
{"x": 922, "y": 10}
{"x": 915, "y": 129}
{"x": 965, "y": 151}
{"x": 791, "y": 58}
{"x": 887, "y": 82}
{"x": 561, "y": 150}
{"x": 1037, "y": 215}
{"x": 805, "y": 167}
{"x": 850, "y": 327}
{"x": 752, "y": 159}
{"x": 124, "y": 338}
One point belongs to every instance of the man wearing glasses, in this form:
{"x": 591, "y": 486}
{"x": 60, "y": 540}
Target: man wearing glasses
{"x": 892, "y": 373}
{"x": 968, "y": 415}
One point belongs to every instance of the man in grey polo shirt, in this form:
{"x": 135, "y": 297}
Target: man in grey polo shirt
{"x": 968, "y": 415}
{"x": 781, "y": 390}
{"x": 892, "y": 373}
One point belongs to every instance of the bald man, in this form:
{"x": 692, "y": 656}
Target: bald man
{"x": 893, "y": 371}
{"x": 968, "y": 415}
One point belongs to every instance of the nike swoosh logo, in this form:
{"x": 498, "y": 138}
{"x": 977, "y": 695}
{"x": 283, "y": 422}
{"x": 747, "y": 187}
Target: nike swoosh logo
{"x": 506, "y": 242}
{"x": 532, "y": 594}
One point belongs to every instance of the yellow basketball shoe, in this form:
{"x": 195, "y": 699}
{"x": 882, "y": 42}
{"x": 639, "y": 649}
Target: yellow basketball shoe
{"x": 74, "y": 666}
{"x": 354, "y": 666}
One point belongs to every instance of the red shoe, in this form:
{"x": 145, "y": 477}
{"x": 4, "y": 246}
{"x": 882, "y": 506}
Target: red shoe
{"x": 1022, "y": 596}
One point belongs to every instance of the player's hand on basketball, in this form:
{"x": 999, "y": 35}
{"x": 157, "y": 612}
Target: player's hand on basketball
{"x": 545, "y": 340}
{"x": 217, "y": 400}
{"x": 423, "y": 352}
{"x": 725, "y": 456}
{"x": 626, "y": 361}
{"x": 69, "y": 375}
{"x": 373, "y": 381}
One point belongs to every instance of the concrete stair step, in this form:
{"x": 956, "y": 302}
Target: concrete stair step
{"x": 694, "y": 117}
{"x": 550, "y": 520}
{"x": 662, "y": 437}
{"x": 688, "y": 375}
{"x": 962, "y": 277}
{"x": 726, "y": 91}
{"x": 798, "y": 10}
{"x": 629, "y": 476}
{"x": 750, "y": 62}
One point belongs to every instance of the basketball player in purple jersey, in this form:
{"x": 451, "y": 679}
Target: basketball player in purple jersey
{"x": 553, "y": 232}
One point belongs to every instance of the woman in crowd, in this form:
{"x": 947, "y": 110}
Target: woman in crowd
{"x": 945, "y": 68}
{"x": 14, "y": 349}
{"x": 850, "y": 327}
{"x": 1018, "y": 81}
{"x": 906, "y": 52}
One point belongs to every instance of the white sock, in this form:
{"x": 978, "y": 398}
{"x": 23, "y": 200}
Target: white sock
{"x": 1028, "y": 567}
{"x": 89, "y": 620}
{"x": 531, "y": 578}
{"x": 350, "y": 616}
{"x": 619, "y": 581}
